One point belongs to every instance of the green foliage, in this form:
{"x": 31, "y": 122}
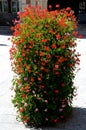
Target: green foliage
{"x": 44, "y": 59}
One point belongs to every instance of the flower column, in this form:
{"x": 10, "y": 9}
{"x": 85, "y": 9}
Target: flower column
{"x": 44, "y": 59}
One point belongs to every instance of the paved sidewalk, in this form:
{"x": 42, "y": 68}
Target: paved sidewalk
{"x": 7, "y": 111}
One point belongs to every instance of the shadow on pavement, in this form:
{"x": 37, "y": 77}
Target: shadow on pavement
{"x": 3, "y": 45}
{"x": 76, "y": 122}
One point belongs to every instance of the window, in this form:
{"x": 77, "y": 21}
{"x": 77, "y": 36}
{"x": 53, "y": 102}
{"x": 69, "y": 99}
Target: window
{"x": 11, "y": 6}
{"x": 0, "y": 6}
{"x": 27, "y": 1}
{"x": 5, "y": 6}
{"x": 82, "y": 6}
{"x": 14, "y": 6}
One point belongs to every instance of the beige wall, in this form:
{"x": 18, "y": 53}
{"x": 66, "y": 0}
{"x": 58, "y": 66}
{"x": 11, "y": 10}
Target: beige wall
{"x": 42, "y": 3}
{"x": 23, "y": 3}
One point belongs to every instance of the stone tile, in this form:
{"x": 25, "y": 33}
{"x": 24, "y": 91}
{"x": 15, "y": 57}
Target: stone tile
{"x": 8, "y": 126}
{"x": 8, "y": 118}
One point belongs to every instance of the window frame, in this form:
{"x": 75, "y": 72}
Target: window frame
{"x": 82, "y": 7}
{"x": 4, "y": 5}
{"x": 16, "y": 5}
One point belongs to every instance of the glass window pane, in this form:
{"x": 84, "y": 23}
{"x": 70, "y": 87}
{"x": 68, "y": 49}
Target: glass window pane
{"x": 14, "y": 6}
{"x": 0, "y": 6}
{"x": 27, "y": 1}
{"x": 82, "y": 6}
{"x": 5, "y": 6}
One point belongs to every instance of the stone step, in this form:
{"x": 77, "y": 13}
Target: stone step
{"x": 5, "y": 30}
{"x": 4, "y": 27}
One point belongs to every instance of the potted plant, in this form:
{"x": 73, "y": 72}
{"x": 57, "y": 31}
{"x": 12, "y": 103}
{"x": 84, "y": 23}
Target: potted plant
{"x": 44, "y": 58}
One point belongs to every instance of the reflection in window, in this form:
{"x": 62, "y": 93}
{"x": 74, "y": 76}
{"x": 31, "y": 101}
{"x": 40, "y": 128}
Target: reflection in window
{"x": 5, "y": 5}
{"x": 82, "y": 7}
{"x": 5, "y": 8}
{"x": 27, "y": 1}
{"x": 14, "y": 6}
{"x": 0, "y": 6}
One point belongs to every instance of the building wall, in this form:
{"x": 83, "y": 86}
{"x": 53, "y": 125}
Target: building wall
{"x": 6, "y": 18}
{"x": 23, "y": 3}
{"x": 42, "y": 3}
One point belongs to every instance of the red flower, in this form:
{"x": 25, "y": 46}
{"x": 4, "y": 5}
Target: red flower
{"x": 23, "y": 54}
{"x": 51, "y": 31}
{"x": 68, "y": 9}
{"x": 62, "y": 84}
{"x": 30, "y": 47}
{"x": 38, "y": 35}
{"x": 46, "y": 70}
{"x": 22, "y": 40}
{"x": 75, "y": 33}
{"x": 39, "y": 79}
{"x": 71, "y": 44}
{"x": 55, "y": 120}
{"x": 56, "y": 73}
{"x": 63, "y": 46}
{"x": 70, "y": 65}
{"x": 80, "y": 36}
{"x": 46, "y": 119}
{"x": 48, "y": 56}
{"x": 53, "y": 46}
{"x": 56, "y": 91}
{"x": 21, "y": 109}
{"x": 32, "y": 79}
{"x": 31, "y": 42}
{"x": 42, "y": 86}
{"x": 41, "y": 53}
{"x": 61, "y": 117}
{"x": 50, "y": 6}
{"x": 21, "y": 71}
{"x": 46, "y": 48}
{"x": 26, "y": 119}
{"x": 58, "y": 36}
{"x": 57, "y": 6}
{"x": 56, "y": 66}
{"x": 61, "y": 22}
{"x": 44, "y": 40}
{"x": 23, "y": 95}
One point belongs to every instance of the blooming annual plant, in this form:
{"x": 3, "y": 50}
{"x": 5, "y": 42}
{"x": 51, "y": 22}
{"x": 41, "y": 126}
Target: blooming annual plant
{"x": 44, "y": 58}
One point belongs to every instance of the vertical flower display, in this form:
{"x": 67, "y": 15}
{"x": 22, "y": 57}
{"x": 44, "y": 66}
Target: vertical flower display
{"x": 43, "y": 59}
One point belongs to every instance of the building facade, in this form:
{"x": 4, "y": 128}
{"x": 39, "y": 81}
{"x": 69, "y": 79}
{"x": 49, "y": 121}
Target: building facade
{"x": 9, "y": 8}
